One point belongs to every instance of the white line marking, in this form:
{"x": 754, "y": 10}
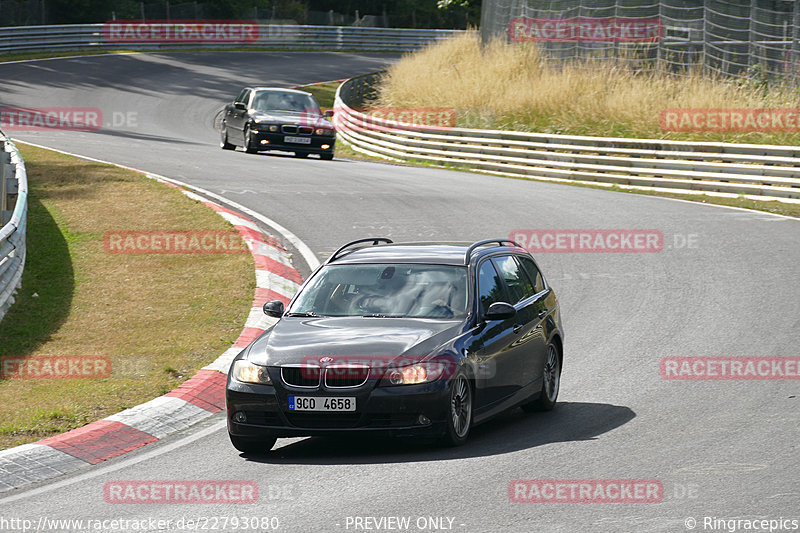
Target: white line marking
{"x": 117, "y": 466}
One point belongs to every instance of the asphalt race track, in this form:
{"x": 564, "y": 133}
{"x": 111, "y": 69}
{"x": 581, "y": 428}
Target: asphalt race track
{"x": 721, "y": 448}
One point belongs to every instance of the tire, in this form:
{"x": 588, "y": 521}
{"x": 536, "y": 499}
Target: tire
{"x": 301, "y": 155}
{"x": 224, "y": 144}
{"x": 252, "y": 444}
{"x": 459, "y": 411}
{"x": 551, "y": 382}
{"x": 248, "y": 141}
{"x": 326, "y": 157}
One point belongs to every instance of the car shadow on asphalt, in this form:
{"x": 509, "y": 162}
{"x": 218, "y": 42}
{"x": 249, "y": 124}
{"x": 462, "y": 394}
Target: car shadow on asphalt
{"x": 512, "y": 431}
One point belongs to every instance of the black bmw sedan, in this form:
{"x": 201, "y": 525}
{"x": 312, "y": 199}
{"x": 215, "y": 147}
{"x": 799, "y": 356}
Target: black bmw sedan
{"x": 264, "y": 118}
{"x": 411, "y": 339}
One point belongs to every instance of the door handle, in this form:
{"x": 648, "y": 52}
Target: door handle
{"x": 517, "y": 328}
{"x": 542, "y": 313}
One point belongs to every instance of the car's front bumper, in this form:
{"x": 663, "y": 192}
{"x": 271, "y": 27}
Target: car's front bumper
{"x": 277, "y": 141}
{"x": 393, "y": 411}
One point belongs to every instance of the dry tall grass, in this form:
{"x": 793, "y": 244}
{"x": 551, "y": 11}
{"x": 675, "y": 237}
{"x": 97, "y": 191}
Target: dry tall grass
{"x": 514, "y": 87}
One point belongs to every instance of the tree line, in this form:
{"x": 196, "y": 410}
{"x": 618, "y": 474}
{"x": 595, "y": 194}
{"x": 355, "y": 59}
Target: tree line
{"x": 391, "y": 13}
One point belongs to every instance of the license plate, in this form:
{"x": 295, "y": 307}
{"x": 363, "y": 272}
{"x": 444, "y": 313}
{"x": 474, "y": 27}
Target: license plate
{"x": 318, "y": 403}
{"x": 297, "y": 140}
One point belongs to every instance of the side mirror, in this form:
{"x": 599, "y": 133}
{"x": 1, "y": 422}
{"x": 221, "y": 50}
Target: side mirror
{"x": 274, "y": 308}
{"x": 328, "y": 113}
{"x": 500, "y": 311}
{"x": 241, "y": 106}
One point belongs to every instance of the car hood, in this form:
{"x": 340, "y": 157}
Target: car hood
{"x": 301, "y": 119}
{"x": 296, "y": 340}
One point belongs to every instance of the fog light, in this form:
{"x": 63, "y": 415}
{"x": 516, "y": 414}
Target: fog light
{"x": 264, "y": 141}
{"x": 423, "y": 420}
{"x": 240, "y": 417}
{"x": 325, "y": 146}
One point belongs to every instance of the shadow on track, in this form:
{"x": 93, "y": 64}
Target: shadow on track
{"x": 510, "y": 432}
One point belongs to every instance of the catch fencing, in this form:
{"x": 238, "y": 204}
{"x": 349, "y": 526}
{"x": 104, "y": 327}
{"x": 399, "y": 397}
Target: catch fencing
{"x": 13, "y": 216}
{"x": 728, "y": 37}
{"x": 755, "y": 171}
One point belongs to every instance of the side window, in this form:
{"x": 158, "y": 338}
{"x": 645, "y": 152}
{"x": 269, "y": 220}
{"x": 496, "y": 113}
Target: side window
{"x": 490, "y": 287}
{"x": 533, "y": 273}
{"x": 243, "y": 96}
{"x": 519, "y": 286}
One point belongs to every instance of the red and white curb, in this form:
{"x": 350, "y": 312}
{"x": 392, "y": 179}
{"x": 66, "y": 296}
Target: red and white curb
{"x": 196, "y": 399}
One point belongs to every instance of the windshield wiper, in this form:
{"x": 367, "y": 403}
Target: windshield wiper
{"x": 378, "y": 315}
{"x": 309, "y": 314}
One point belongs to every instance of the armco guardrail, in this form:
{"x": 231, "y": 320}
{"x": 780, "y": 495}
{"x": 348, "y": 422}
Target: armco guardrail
{"x": 13, "y": 216}
{"x": 285, "y": 37}
{"x": 765, "y": 171}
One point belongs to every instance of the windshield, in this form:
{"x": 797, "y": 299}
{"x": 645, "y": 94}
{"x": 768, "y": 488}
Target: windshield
{"x": 285, "y": 101}
{"x": 386, "y": 290}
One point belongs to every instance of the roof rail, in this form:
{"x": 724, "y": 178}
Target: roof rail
{"x": 374, "y": 240}
{"x": 478, "y": 244}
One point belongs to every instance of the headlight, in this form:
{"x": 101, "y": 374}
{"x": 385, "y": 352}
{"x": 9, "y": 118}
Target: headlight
{"x": 264, "y": 126}
{"x": 415, "y": 374}
{"x": 324, "y": 131}
{"x": 247, "y": 372}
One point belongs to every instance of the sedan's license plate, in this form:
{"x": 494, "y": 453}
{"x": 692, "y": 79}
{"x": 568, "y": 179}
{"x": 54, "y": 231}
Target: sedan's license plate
{"x": 297, "y": 140}
{"x": 317, "y": 403}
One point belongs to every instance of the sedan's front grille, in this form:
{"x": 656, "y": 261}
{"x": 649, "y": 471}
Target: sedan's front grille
{"x": 294, "y": 130}
{"x": 346, "y": 376}
{"x": 334, "y": 377}
{"x": 301, "y": 376}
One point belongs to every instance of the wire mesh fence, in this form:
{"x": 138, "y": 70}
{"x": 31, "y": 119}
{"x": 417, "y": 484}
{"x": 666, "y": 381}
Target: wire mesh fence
{"x": 727, "y": 37}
